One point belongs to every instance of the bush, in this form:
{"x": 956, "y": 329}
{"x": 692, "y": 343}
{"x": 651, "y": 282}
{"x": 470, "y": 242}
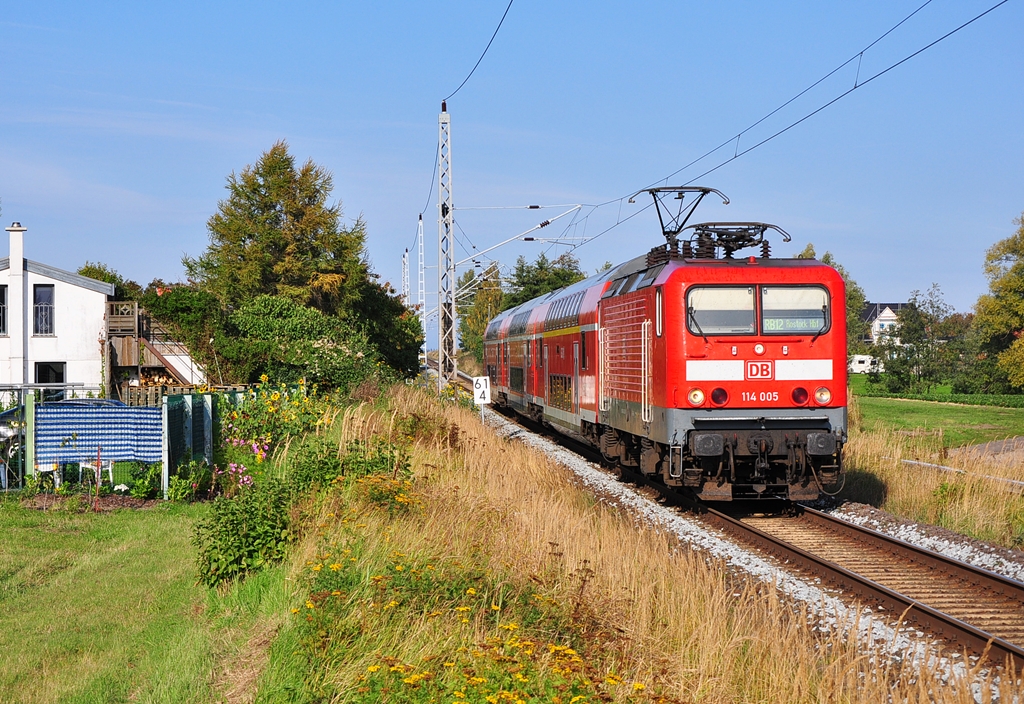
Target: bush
{"x": 243, "y": 533}
{"x": 190, "y": 480}
{"x": 315, "y": 462}
{"x": 145, "y": 480}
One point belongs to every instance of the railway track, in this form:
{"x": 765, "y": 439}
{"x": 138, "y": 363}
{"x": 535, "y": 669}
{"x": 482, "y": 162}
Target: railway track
{"x": 967, "y": 606}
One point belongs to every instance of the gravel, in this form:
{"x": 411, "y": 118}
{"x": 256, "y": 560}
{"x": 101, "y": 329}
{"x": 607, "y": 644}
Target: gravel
{"x": 874, "y": 630}
{"x": 1004, "y": 561}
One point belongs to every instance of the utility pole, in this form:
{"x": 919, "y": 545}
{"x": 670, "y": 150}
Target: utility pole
{"x": 405, "y": 279}
{"x": 421, "y": 291}
{"x": 446, "y": 363}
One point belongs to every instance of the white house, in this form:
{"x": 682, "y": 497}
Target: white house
{"x": 52, "y": 322}
{"x": 882, "y": 318}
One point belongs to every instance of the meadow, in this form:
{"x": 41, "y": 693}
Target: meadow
{"x": 437, "y": 564}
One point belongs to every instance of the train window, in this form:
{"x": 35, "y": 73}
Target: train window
{"x": 658, "y": 313}
{"x": 794, "y": 310}
{"x": 583, "y": 350}
{"x": 628, "y": 286}
{"x": 540, "y": 357}
{"x": 720, "y": 310}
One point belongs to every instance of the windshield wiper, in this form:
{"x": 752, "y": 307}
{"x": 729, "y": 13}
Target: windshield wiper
{"x": 824, "y": 323}
{"x": 693, "y": 317}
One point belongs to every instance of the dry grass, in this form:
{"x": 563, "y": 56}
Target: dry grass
{"x": 656, "y": 613}
{"x": 968, "y": 500}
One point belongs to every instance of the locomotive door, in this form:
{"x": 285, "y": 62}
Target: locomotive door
{"x": 576, "y": 377}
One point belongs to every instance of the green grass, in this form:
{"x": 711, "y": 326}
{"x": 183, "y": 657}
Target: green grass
{"x": 959, "y": 425}
{"x": 105, "y": 607}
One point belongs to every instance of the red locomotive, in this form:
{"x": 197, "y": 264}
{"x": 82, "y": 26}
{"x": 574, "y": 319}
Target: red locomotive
{"x": 723, "y": 375}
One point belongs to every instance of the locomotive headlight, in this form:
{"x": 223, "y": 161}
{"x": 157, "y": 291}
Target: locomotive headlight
{"x": 695, "y": 397}
{"x": 822, "y": 395}
{"x": 758, "y": 348}
{"x": 719, "y": 397}
{"x": 799, "y": 395}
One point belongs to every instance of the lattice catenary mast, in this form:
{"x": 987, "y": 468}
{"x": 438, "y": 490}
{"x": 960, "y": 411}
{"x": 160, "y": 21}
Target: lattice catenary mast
{"x": 405, "y": 279}
{"x": 446, "y": 363}
{"x": 421, "y": 289}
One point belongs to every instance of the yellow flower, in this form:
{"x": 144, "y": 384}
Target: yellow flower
{"x": 317, "y": 568}
{"x": 449, "y": 664}
{"x": 462, "y": 608}
{"x": 399, "y": 568}
{"x": 264, "y": 378}
{"x": 639, "y": 686}
{"x": 309, "y": 605}
{"x": 335, "y": 567}
{"x": 495, "y": 607}
{"x": 336, "y": 593}
{"x": 471, "y": 591}
{"x": 373, "y": 668}
{"x": 295, "y": 611}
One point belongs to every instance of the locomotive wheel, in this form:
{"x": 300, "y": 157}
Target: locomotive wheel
{"x": 622, "y": 474}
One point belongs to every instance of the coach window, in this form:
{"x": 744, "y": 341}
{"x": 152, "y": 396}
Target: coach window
{"x": 583, "y": 350}
{"x": 794, "y": 310}
{"x": 657, "y": 313}
{"x": 720, "y": 310}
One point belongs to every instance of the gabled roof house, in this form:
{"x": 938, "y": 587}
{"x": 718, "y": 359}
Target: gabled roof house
{"x": 52, "y": 328}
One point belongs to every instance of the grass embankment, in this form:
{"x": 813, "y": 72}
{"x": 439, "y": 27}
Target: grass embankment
{"x": 105, "y": 608}
{"x": 885, "y": 432}
{"x": 482, "y": 573}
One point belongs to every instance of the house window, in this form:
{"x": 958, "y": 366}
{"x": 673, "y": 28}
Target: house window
{"x": 42, "y": 318}
{"x": 50, "y": 373}
{"x": 3, "y": 310}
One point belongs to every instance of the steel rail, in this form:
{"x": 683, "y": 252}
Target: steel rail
{"x": 957, "y": 632}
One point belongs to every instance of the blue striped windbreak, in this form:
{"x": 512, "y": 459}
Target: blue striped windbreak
{"x": 73, "y": 433}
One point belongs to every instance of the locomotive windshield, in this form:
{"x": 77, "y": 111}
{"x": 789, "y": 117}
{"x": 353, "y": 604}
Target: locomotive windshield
{"x": 720, "y": 310}
{"x": 794, "y": 310}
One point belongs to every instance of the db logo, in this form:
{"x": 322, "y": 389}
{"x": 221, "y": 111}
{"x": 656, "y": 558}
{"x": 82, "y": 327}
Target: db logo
{"x": 759, "y": 370}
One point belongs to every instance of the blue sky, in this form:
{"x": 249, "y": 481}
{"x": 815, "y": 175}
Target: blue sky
{"x": 119, "y": 124}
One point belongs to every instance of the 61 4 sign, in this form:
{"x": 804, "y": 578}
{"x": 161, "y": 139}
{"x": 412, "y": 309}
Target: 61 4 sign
{"x": 481, "y": 390}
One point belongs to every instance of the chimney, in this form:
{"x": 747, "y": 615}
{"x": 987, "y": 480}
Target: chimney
{"x": 16, "y": 317}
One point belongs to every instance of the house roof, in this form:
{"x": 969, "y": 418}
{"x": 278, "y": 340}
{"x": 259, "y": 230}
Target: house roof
{"x": 67, "y": 277}
{"x": 873, "y": 310}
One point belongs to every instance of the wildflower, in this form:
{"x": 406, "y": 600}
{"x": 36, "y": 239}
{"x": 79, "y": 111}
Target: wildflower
{"x": 462, "y": 608}
{"x": 577, "y": 698}
{"x": 509, "y": 627}
{"x": 613, "y": 679}
{"x": 317, "y": 568}
{"x": 476, "y": 680}
{"x": 264, "y": 378}
{"x": 495, "y": 607}
{"x": 336, "y": 593}
{"x": 335, "y": 566}
{"x": 399, "y": 568}
{"x": 373, "y": 668}
{"x": 460, "y": 695}
{"x": 310, "y": 605}
{"x": 639, "y": 686}
{"x": 295, "y": 611}
{"x": 449, "y": 664}
{"x": 471, "y": 591}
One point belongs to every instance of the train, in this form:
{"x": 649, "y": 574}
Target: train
{"x": 693, "y": 365}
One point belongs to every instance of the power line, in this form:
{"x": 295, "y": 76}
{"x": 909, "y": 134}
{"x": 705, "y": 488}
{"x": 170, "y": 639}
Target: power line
{"x": 847, "y": 92}
{"x": 485, "y": 51}
{"x": 814, "y": 112}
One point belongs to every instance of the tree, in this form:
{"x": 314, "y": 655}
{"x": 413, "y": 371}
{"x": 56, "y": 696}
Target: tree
{"x": 275, "y": 234}
{"x": 543, "y": 276}
{"x": 124, "y": 289}
{"x": 999, "y": 314}
{"x": 856, "y": 328}
{"x": 916, "y": 355}
{"x": 484, "y": 304}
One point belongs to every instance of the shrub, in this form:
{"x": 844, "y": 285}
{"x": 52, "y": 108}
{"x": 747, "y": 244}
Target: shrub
{"x": 243, "y": 533}
{"x": 145, "y": 480}
{"x": 315, "y": 462}
{"x": 190, "y": 480}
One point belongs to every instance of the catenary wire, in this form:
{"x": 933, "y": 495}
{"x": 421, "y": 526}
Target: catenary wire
{"x": 485, "y": 51}
{"x": 802, "y": 119}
